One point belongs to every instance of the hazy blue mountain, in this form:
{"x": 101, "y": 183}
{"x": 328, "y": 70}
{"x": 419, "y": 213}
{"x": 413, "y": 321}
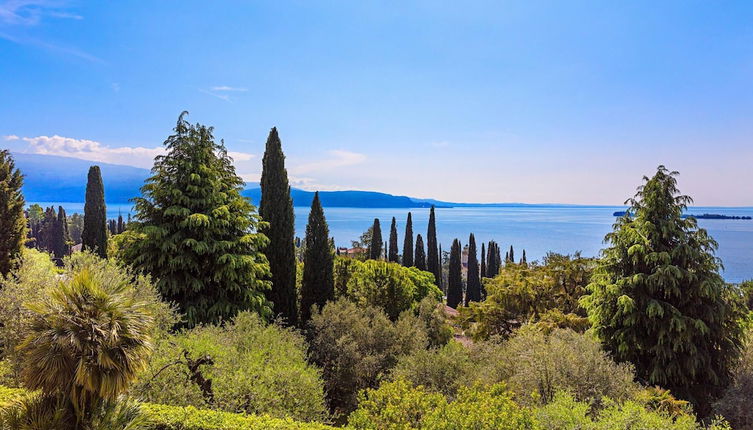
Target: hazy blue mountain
{"x": 49, "y": 178}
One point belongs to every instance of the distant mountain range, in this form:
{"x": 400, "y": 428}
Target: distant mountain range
{"x": 50, "y": 178}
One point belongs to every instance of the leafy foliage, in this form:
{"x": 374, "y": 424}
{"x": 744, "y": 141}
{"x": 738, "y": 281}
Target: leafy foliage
{"x": 195, "y": 233}
{"x": 250, "y": 367}
{"x": 12, "y": 220}
{"x": 356, "y": 346}
{"x": 547, "y": 294}
{"x": 390, "y": 286}
{"x": 657, "y": 299}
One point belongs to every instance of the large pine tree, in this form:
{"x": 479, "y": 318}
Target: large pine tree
{"x": 455, "y": 276}
{"x": 408, "y": 242}
{"x": 318, "y": 285}
{"x": 420, "y": 255}
{"x": 657, "y": 299}
{"x": 12, "y": 219}
{"x": 432, "y": 251}
{"x": 195, "y": 233}
{"x": 473, "y": 284}
{"x": 375, "y": 247}
{"x": 392, "y": 255}
{"x": 94, "y": 235}
{"x": 276, "y": 208}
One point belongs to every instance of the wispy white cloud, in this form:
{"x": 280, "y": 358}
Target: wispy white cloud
{"x": 11, "y": 137}
{"x": 84, "y": 149}
{"x": 224, "y": 97}
{"x": 337, "y": 158}
{"x": 227, "y": 88}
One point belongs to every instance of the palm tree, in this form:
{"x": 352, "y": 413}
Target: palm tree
{"x": 87, "y": 342}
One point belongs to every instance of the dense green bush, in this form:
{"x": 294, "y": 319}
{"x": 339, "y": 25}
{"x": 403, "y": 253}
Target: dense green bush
{"x": 566, "y": 413}
{"x": 390, "y": 286}
{"x": 400, "y": 405}
{"x": 531, "y": 293}
{"x": 356, "y": 346}
{"x": 536, "y": 365}
{"x": 443, "y": 370}
{"x": 245, "y": 366}
{"x": 435, "y": 320}
{"x": 34, "y": 274}
{"x": 736, "y": 402}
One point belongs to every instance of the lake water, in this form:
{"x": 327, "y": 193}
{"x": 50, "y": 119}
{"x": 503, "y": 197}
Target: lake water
{"x": 537, "y": 229}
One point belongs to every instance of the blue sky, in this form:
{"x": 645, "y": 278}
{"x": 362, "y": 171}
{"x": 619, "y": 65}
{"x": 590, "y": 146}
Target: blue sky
{"x": 526, "y": 101}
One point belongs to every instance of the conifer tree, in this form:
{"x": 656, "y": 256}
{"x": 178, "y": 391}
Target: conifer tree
{"x": 497, "y": 259}
{"x": 48, "y": 231}
{"x": 121, "y": 224}
{"x": 420, "y": 256}
{"x": 483, "y": 260}
{"x": 658, "y": 301}
{"x": 318, "y": 285}
{"x": 195, "y": 233}
{"x": 375, "y": 247}
{"x": 12, "y": 219}
{"x": 455, "y": 276}
{"x": 473, "y": 283}
{"x": 276, "y": 208}
{"x": 440, "y": 267}
{"x": 94, "y": 235}
{"x": 511, "y": 255}
{"x": 393, "y": 253}
{"x": 433, "y": 262}
{"x": 60, "y": 236}
{"x": 408, "y": 242}
{"x": 523, "y": 259}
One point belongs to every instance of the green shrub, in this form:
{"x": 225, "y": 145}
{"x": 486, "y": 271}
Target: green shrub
{"x": 736, "y": 402}
{"x": 255, "y": 368}
{"x": 400, "y": 405}
{"x": 536, "y": 365}
{"x": 34, "y": 274}
{"x": 444, "y": 370}
{"x": 436, "y": 321}
{"x": 357, "y": 346}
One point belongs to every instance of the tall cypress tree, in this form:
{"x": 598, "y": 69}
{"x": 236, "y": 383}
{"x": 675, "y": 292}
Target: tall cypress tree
{"x": 12, "y": 219}
{"x": 657, "y": 298}
{"x": 420, "y": 256}
{"x": 408, "y": 242}
{"x": 455, "y": 276}
{"x": 483, "y": 260}
{"x": 432, "y": 252}
{"x": 276, "y": 208}
{"x": 121, "y": 224}
{"x": 60, "y": 236}
{"x": 473, "y": 285}
{"x": 393, "y": 256}
{"x": 94, "y": 235}
{"x": 318, "y": 285}
{"x": 524, "y": 260}
{"x": 196, "y": 234}
{"x": 511, "y": 255}
{"x": 375, "y": 248}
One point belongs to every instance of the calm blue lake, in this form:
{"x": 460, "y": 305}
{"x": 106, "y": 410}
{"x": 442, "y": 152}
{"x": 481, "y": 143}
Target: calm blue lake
{"x": 537, "y": 229}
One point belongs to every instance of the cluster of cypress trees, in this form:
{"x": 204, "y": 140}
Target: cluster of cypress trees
{"x": 116, "y": 226}
{"x": 493, "y": 259}
{"x": 48, "y": 230}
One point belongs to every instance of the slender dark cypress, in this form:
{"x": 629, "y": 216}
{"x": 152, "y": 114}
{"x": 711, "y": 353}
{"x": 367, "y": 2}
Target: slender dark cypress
{"x": 392, "y": 254}
{"x": 94, "y": 235}
{"x": 432, "y": 253}
{"x": 440, "y": 268}
{"x": 511, "y": 255}
{"x": 408, "y": 243}
{"x": 60, "y": 235}
{"x": 375, "y": 248}
{"x": 12, "y": 219}
{"x": 523, "y": 259}
{"x": 276, "y": 208}
{"x": 497, "y": 259}
{"x": 482, "y": 259}
{"x": 455, "y": 277}
{"x": 121, "y": 224}
{"x": 473, "y": 284}
{"x": 420, "y": 259}
{"x": 318, "y": 285}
